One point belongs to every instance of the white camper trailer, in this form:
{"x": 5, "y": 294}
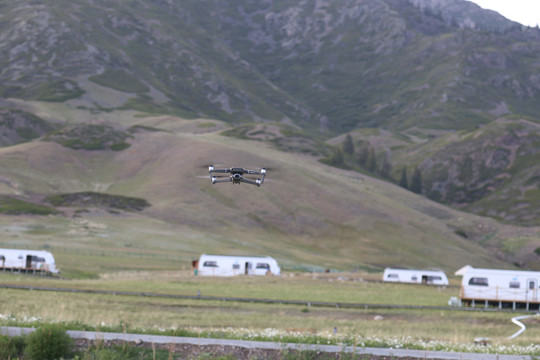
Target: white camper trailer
{"x": 221, "y": 265}
{"x": 500, "y": 287}
{"x": 27, "y": 261}
{"x": 426, "y": 277}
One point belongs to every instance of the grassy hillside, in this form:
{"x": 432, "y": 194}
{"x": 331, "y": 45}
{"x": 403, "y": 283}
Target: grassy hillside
{"x": 307, "y": 215}
{"x": 293, "y": 74}
{"x": 491, "y": 170}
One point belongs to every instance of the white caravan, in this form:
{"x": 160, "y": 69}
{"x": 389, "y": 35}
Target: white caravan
{"x": 221, "y": 265}
{"x": 426, "y": 277}
{"x": 508, "y": 286}
{"x": 27, "y": 260}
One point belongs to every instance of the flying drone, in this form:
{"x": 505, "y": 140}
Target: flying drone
{"x": 237, "y": 175}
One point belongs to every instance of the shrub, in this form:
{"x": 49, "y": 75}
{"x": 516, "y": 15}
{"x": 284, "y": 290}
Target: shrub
{"x": 348, "y": 145}
{"x": 89, "y": 198}
{"x": 11, "y": 347}
{"x": 461, "y": 233}
{"x": 13, "y": 206}
{"x": 49, "y": 342}
{"x": 120, "y": 146}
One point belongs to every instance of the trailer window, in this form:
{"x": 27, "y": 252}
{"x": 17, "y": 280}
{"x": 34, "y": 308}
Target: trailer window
{"x": 433, "y": 278}
{"x": 236, "y": 266}
{"x": 263, "y": 266}
{"x": 514, "y": 284}
{"x": 478, "y": 281}
{"x": 414, "y": 278}
{"x": 210, "y": 263}
{"x": 393, "y": 276}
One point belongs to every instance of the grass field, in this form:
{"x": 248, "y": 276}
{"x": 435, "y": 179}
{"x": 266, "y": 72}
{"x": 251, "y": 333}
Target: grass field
{"x": 246, "y": 320}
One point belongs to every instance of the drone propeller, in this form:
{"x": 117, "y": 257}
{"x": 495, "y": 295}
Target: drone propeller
{"x": 219, "y": 176}
{"x": 217, "y": 165}
{"x": 257, "y": 168}
{"x": 223, "y": 176}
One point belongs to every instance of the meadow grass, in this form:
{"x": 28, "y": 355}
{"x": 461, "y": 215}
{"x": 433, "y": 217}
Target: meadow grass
{"x": 315, "y": 287}
{"x": 258, "y": 321}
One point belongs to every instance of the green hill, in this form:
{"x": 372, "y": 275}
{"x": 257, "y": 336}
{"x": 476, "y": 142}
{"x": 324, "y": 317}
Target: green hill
{"x": 308, "y": 215}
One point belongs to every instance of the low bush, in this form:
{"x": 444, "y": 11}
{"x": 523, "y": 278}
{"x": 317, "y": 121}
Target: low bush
{"x": 13, "y": 206}
{"x": 11, "y": 347}
{"x": 49, "y": 342}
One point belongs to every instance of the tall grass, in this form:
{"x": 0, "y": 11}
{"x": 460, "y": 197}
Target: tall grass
{"x": 246, "y": 320}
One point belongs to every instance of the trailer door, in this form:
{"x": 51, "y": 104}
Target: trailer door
{"x": 532, "y": 290}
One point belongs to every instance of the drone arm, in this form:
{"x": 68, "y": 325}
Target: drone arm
{"x": 255, "y": 172}
{"x": 252, "y": 182}
{"x": 222, "y": 180}
{"x": 211, "y": 170}
{"x": 219, "y": 171}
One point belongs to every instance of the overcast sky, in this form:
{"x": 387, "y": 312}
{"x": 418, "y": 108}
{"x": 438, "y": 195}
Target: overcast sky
{"x": 526, "y": 12}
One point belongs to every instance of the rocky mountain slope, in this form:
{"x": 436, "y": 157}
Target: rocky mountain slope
{"x": 324, "y": 65}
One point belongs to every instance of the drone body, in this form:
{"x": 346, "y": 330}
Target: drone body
{"x": 237, "y": 175}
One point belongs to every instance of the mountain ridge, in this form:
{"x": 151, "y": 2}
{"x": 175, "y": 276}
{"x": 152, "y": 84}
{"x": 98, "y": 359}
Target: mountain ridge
{"x": 245, "y": 46}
